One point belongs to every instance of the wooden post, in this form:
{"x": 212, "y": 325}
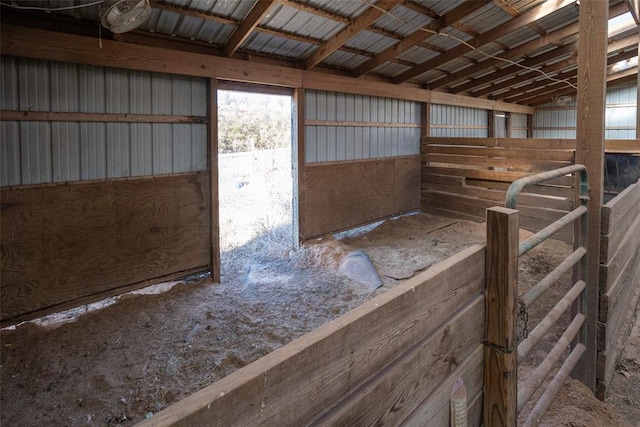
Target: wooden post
{"x": 212, "y": 166}
{"x": 500, "y": 354}
{"x": 509, "y": 125}
{"x": 298, "y": 165}
{"x": 491, "y": 121}
{"x": 425, "y": 120}
{"x": 529, "y": 125}
{"x": 592, "y": 78}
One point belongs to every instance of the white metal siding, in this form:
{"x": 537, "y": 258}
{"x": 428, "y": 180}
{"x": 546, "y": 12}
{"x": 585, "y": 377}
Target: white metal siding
{"x": 39, "y": 152}
{"x": 518, "y": 125}
{"x": 335, "y": 143}
{"x": 453, "y": 121}
{"x": 551, "y": 121}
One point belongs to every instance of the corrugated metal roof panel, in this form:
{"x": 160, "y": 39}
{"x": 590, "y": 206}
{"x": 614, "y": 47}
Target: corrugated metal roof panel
{"x": 370, "y": 42}
{"x": 487, "y": 19}
{"x": 215, "y": 33}
{"x": 345, "y": 59}
{"x": 268, "y": 43}
{"x": 418, "y": 55}
{"x": 519, "y": 37}
{"x": 302, "y": 23}
{"x": 391, "y": 69}
{"x": 402, "y": 20}
{"x": 560, "y": 18}
{"x": 439, "y": 7}
{"x": 236, "y": 9}
{"x": 351, "y": 9}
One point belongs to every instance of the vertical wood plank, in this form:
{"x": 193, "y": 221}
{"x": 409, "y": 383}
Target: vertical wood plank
{"x": 592, "y": 62}
{"x": 500, "y": 369}
{"x": 509, "y": 125}
{"x": 212, "y": 166}
{"x": 491, "y": 121}
{"x": 425, "y": 120}
{"x": 529, "y": 125}
{"x": 298, "y": 167}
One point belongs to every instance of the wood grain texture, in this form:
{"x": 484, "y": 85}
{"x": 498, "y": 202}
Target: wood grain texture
{"x": 590, "y": 130}
{"x": 396, "y": 392}
{"x": 212, "y": 167}
{"x": 49, "y": 116}
{"x": 347, "y": 194}
{"x": 297, "y": 383}
{"x": 619, "y": 207}
{"x": 435, "y": 409}
{"x": 500, "y": 368}
{"x": 65, "y": 242}
{"x": 610, "y": 272}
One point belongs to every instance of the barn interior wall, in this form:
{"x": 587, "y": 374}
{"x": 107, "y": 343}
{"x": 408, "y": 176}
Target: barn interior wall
{"x": 35, "y": 152}
{"x": 554, "y": 121}
{"x": 96, "y": 201}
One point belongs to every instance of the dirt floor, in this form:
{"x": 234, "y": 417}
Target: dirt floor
{"x": 129, "y": 360}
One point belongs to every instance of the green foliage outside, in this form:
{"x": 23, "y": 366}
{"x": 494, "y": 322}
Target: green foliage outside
{"x": 249, "y": 122}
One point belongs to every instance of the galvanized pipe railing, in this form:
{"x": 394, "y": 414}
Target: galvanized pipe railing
{"x": 542, "y": 371}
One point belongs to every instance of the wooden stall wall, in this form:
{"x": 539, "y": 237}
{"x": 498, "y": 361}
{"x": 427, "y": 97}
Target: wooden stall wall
{"x": 619, "y": 280}
{"x": 340, "y": 195}
{"x": 393, "y": 360}
{"x": 68, "y": 244}
{"x": 462, "y": 177}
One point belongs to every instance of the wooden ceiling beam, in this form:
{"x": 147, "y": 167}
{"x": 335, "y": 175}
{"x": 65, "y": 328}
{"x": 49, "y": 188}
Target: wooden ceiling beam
{"x": 532, "y": 15}
{"x": 536, "y": 60}
{"x": 250, "y": 22}
{"x": 513, "y": 95}
{"x": 418, "y": 36}
{"x": 550, "y": 69}
{"x": 361, "y": 23}
{"x": 551, "y": 38}
{"x": 626, "y": 76}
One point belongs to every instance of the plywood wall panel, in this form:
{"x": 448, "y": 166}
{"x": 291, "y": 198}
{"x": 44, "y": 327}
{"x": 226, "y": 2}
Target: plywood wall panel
{"x": 64, "y": 242}
{"x": 347, "y": 194}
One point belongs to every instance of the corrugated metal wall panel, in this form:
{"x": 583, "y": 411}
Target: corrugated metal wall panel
{"x": 8, "y": 76}
{"x": 336, "y": 143}
{"x": 35, "y": 152}
{"x": 10, "y": 153}
{"x": 453, "y": 121}
{"x": 39, "y": 152}
{"x": 518, "y": 125}
{"x": 551, "y": 121}
{"x": 65, "y": 144}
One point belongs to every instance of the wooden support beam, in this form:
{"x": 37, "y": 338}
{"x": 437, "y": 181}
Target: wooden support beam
{"x": 250, "y": 22}
{"x": 298, "y": 156}
{"x": 56, "y": 46}
{"x": 418, "y": 36}
{"x": 552, "y": 38}
{"x": 532, "y": 15}
{"x": 361, "y": 23}
{"x": 425, "y": 120}
{"x": 50, "y": 116}
{"x": 212, "y": 166}
{"x": 500, "y": 369}
{"x": 592, "y": 61}
{"x": 491, "y": 121}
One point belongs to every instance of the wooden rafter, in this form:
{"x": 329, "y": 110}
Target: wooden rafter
{"x": 552, "y": 38}
{"x": 561, "y": 65}
{"x": 533, "y": 89}
{"x": 360, "y": 24}
{"x": 418, "y": 36}
{"x": 532, "y": 15}
{"x": 253, "y": 18}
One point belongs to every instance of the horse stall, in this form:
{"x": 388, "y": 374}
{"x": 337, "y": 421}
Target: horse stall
{"x": 619, "y": 279}
{"x": 109, "y": 182}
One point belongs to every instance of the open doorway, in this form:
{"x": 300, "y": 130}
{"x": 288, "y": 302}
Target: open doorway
{"x": 255, "y": 179}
